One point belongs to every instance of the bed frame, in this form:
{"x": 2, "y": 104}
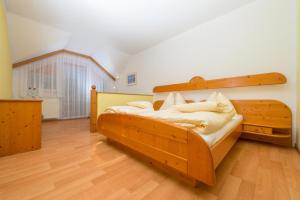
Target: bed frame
{"x": 175, "y": 147}
{"x": 180, "y": 150}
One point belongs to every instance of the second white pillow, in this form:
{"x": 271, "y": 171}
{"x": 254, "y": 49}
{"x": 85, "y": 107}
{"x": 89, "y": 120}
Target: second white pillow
{"x": 212, "y": 97}
{"x": 225, "y": 103}
{"x": 169, "y": 102}
{"x": 179, "y": 99}
{"x": 208, "y": 106}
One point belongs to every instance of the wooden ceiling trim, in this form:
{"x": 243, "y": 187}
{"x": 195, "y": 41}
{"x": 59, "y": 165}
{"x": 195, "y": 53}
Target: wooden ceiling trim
{"x": 41, "y": 57}
{"x": 198, "y": 83}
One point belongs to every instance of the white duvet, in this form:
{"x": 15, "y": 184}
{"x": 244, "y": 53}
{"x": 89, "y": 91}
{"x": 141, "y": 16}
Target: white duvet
{"x": 207, "y": 122}
{"x": 214, "y": 137}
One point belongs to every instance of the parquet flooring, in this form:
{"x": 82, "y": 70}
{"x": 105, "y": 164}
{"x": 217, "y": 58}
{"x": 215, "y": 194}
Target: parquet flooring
{"x": 76, "y": 165}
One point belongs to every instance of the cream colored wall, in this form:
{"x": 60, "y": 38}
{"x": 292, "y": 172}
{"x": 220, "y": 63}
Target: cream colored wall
{"x": 298, "y": 78}
{"x": 105, "y": 100}
{"x": 5, "y": 60}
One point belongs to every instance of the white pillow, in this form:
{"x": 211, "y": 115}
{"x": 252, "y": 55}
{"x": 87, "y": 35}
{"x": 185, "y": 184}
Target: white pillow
{"x": 208, "y": 106}
{"x": 140, "y": 104}
{"x": 169, "y": 102}
{"x": 225, "y": 103}
{"x": 179, "y": 99}
{"x": 212, "y": 97}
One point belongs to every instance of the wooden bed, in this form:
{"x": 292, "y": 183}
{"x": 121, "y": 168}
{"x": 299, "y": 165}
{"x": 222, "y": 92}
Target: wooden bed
{"x": 181, "y": 150}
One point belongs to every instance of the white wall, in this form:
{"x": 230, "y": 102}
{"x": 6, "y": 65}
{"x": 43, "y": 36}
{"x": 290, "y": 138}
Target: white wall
{"x": 257, "y": 38}
{"x": 111, "y": 58}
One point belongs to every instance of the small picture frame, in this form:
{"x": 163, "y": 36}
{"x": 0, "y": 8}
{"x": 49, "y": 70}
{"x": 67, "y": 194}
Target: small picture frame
{"x": 131, "y": 79}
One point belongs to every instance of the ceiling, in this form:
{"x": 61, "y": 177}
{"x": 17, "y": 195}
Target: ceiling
{"x": 128, "y": 25}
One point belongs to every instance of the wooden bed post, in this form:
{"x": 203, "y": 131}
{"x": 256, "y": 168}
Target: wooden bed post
{"x": 93, "y": 112}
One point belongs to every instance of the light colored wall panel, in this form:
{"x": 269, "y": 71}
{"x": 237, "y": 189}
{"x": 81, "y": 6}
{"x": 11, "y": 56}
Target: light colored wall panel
{"x": 105, "y": 100}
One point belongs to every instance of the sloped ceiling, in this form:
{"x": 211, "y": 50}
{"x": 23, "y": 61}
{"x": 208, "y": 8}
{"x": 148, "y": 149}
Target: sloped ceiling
{"x": 131, "y": 25}
{"x": 30, "y": 38}
{"x": 110, "y": 29}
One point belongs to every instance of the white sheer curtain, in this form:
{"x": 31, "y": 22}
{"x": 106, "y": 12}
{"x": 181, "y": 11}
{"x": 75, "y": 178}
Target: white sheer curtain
{"x": 36, "y": 79}
{"x": 65, "y": 76}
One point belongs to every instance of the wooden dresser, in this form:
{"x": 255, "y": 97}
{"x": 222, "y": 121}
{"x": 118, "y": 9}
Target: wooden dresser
{"x": 20, "y": 126}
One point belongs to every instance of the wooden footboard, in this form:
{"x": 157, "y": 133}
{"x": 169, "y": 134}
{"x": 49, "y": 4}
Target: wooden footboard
{"x": 173, "y": 146}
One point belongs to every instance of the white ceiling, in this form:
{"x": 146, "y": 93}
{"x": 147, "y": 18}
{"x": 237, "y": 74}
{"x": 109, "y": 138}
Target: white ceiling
{"x": 128, "y": 25}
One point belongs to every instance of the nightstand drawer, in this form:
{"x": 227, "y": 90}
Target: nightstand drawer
{"x": 257, "y": 129}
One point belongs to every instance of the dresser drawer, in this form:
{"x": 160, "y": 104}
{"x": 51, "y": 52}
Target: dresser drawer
{"x": 257, "y": 129}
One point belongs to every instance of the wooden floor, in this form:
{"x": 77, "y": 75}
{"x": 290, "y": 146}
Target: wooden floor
{"x": 74, "y": 165}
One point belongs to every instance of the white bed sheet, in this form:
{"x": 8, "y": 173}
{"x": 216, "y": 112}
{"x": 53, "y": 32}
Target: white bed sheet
{"x": 213, "y": 138}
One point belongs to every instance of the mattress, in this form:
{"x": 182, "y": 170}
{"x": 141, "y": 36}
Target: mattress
{"x": 214, "y": 137}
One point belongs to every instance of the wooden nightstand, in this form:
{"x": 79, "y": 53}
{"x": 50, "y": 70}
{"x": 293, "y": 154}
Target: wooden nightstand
{"x": 275, "y": 135}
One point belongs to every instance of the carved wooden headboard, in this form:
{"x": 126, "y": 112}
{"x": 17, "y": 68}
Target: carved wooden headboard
{"x": 268, "y": 113}
{"x": 198, "y": 83}
{"x": 264, "y": 120}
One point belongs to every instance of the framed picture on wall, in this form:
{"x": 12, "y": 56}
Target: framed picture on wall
{"x": 131, "y": 79}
